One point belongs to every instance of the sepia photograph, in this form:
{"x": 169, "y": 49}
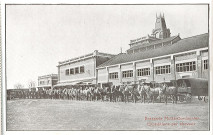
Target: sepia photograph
{"x": 107, "y": 67}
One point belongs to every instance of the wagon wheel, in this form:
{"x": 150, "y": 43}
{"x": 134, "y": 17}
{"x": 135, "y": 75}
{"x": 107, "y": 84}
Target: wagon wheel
{"x": 206, "y": 99}
{"x": 181, "y": 98}
{"x": 200, "y": 98}
{"x": 188, "y": 98}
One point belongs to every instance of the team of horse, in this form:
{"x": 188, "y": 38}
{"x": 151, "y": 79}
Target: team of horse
{"x": 124, "y": 93}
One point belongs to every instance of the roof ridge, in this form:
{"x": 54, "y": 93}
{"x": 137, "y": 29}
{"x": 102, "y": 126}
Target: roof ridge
{"x": 153, "y": 43}
{"x": 110, "y": 60}
{"x": 187, "y": 44}
{"x": 194, "y": 36}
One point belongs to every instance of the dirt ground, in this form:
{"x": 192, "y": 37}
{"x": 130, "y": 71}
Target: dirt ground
{"x": 47, "y": 114}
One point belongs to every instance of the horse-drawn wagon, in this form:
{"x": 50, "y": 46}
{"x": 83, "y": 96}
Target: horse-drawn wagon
{"x": 17, "y": 93}
{"x": 188, "y": 87}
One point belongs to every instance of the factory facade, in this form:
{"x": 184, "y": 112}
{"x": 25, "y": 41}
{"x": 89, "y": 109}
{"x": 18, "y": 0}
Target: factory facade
{"x": 46, "y": 82}
{"x": 82, "y": 69}
{"x": 158, "y": 57}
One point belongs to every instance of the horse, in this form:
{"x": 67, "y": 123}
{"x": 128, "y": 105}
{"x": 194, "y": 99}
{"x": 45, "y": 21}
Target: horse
{"x": 115, "y": 94}
{"x": 118, "y": 94}
{"x": 121, "y": 92}
{"x": 110, "y": 93}
{"x": 126, "y": 93}
{"x": 103, "y": 93}
{"x": 134, "y": 93}
{"x": 169, "y": 91}
{"x": 97, "y": 94}
{"x": 142, "y": 92}
{"x": 152, "y": 93}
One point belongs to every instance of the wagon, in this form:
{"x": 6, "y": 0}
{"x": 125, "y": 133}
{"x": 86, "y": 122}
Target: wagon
{"x": 189, "y": 87}
{"x": 16, "y": 93}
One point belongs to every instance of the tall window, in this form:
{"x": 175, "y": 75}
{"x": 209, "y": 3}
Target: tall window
{"x": 162, "y": 69}
{"x": 76, "y": 70}
{"x": 128, "y": 73}
{"x": 113, "y": 75}
{"x": 72, "y": 71}
{"x": 67, "y": 72}
{"x": 188, "y": 66}
{"x": 205, "y": 64}
{"x": 143, "y": 72}
{"x": 82, "y": 69}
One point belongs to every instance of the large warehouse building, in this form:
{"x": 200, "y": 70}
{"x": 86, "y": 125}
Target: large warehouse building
{"x": 158, "y": 57}
{"x": 81, "y": 69}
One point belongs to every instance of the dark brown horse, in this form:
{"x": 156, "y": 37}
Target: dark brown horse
{"x": 127, "y": 93}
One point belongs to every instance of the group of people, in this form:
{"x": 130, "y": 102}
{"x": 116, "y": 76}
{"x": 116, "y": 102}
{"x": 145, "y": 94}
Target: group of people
{"x": 124, "y": 93}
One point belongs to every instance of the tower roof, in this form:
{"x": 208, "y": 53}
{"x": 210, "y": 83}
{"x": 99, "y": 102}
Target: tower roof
{"x": 160, "y": 30}
{"x": 160, "y": 23}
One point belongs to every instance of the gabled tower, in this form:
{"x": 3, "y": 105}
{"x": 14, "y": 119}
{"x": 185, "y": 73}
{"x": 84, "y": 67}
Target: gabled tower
{"x": 160, "y": 30}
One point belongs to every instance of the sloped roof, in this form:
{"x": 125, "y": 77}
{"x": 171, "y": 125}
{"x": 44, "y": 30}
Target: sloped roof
{"x": 187, "y": 44}
{"x": 154, "y": 42}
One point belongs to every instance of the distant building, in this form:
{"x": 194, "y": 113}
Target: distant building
{"x": 158, "y": 57}
{"x": 47, "y": 81}
{"x": 81, "y": 69}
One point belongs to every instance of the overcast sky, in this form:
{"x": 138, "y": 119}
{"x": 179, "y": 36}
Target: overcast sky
{"x": 39, "y": 36}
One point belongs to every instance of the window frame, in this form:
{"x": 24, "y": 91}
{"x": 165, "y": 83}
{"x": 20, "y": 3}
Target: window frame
{"x": 81, "y": 69}
{"x": 186, "y": 66}
{"x": 127, "y": 74}
{"x": 165, "y": 69}
{"x": 77, "y": 70}
{"x": 113, "y": 75}
{"x": 205, "y": 64}
{"x": 73, "y": 70}
{"x": 143, "y": 72}
{"x": 67, "y": 72}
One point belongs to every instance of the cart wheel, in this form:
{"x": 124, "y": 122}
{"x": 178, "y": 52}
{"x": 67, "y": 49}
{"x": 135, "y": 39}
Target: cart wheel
{"x": 181, "y": 98}
{"x": 206, "y": 99}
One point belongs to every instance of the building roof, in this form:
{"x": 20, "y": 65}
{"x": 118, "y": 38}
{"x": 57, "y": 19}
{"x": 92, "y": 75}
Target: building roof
{"x": 154, "y": 42}
{"x": 95, "y": 53}
{"x": 187, "y": 44}
{"x": 49, "y": 75}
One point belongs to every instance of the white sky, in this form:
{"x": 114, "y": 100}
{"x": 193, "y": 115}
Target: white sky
{"x": 39, "y": 36}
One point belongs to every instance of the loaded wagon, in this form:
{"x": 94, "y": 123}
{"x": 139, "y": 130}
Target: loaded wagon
{"x": 16, "y": 93}
{"x": 188, "y": 87}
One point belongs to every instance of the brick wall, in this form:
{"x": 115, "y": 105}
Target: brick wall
{"x": 89, "y": 70}
{"x": 170, "y": 60}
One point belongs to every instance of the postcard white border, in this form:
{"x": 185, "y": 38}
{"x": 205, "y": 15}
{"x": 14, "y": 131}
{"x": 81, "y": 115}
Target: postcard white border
{"x": 99, "y": 2}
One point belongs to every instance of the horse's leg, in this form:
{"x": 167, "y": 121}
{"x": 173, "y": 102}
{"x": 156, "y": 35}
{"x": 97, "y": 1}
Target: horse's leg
{"x": 144, "y": 100}
{"x": 153, "y": 99}
{"x": 173, "y": 99}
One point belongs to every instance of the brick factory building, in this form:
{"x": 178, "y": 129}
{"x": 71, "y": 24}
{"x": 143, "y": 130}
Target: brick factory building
{"x": 81, "y": 69}
{"x": 46, "y": 82}
{"x": 158, "y": 57}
